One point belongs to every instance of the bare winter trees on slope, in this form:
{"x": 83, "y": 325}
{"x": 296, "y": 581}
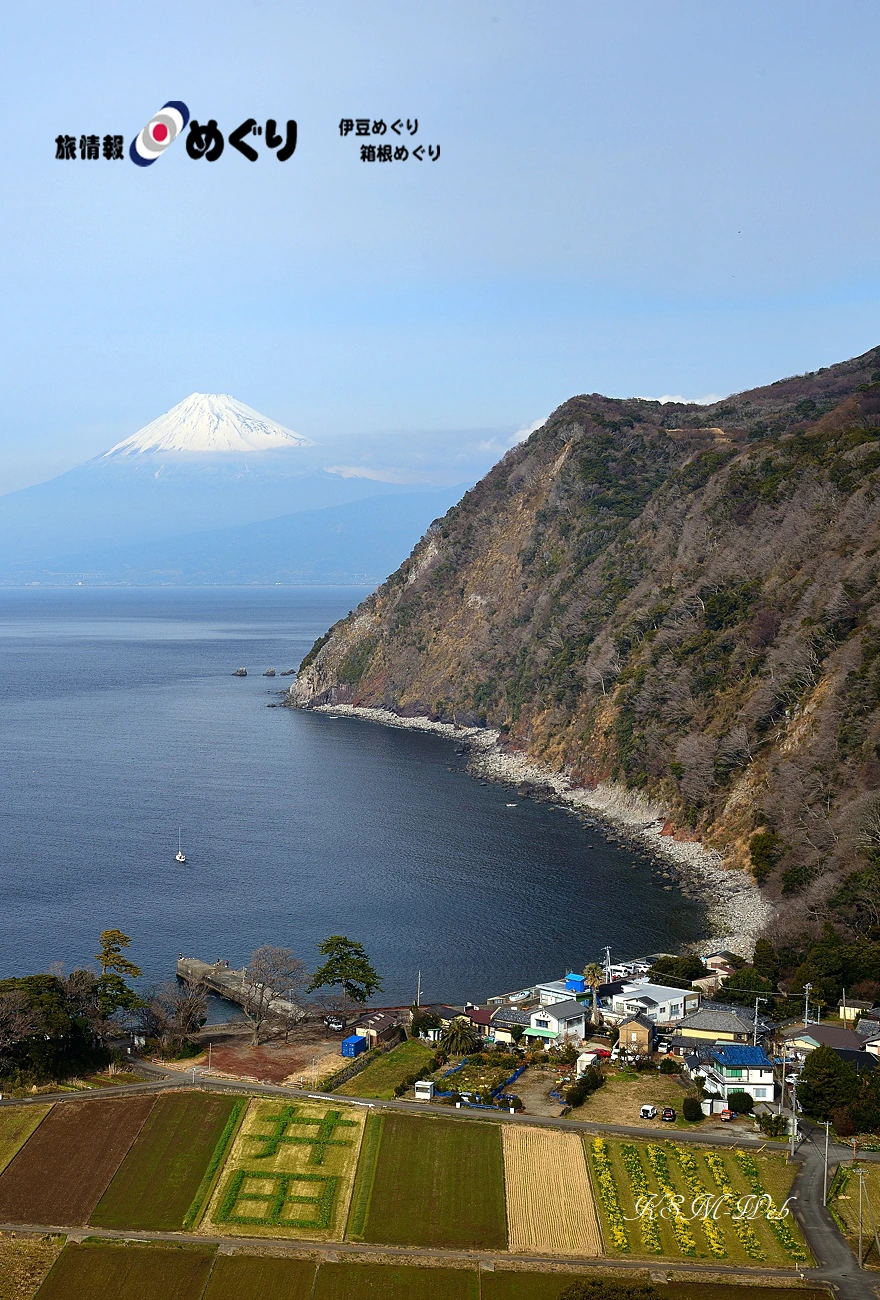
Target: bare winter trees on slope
{"x": 272, "y": 973}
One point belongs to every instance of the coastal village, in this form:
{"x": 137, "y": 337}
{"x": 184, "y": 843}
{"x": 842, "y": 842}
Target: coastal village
{"x": 655, "y": 1042}
{"x": 622, "y": 1127}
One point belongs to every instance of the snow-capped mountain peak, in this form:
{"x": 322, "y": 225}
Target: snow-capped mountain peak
{"x": 208, "y": 422}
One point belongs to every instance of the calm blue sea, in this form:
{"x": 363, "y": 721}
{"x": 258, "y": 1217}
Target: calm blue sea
{"x": 121, "y": 721}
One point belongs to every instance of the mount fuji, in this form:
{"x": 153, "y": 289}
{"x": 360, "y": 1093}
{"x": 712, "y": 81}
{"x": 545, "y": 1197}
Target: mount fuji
{"x": 209, "y": 463}
{"x": 208, "y": 423}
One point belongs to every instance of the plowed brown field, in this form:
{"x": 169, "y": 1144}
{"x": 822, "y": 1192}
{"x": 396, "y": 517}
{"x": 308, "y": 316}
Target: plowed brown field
{"x": 549, "y": 1200}
{"x": 62, "y": 1171}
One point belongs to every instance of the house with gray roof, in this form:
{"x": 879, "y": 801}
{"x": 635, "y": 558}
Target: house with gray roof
{"x": 718, "y": 1023}
{"x": 660, "y": 1003}
{"x": 558, "y": 1021}
{"x": 505, "y": 1020}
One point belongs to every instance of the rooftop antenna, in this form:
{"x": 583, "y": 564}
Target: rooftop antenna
{"x": 755, "y": 1035}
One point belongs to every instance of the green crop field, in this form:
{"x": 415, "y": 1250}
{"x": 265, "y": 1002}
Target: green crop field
{"x": 732, "y": 1207}
{"x": 382, "y": 1075}
{"x": 260, "y": 1277}
{"x": 98, "y": 1271}
{"x": 438, "y": 1182}
{"x": 395, "y": 1282}
{"x": 290, "y": 1171}
{"x": 17, "y": 1123}
{"x": 157, "y": 1181}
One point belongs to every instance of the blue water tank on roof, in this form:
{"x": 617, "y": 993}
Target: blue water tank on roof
{"x": 575, "y": 983}
{"x": 353, "y": 1045}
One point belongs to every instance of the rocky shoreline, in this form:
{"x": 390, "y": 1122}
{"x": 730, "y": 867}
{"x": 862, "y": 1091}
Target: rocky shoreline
{"x": 736, "y": 908}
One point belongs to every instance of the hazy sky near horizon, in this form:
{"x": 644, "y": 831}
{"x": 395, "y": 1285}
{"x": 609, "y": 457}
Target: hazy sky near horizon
{"x": 642, "y": 198}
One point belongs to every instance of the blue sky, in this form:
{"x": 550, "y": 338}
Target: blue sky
{"x": 640, "y": 198}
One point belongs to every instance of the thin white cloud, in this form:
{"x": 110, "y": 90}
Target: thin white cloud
{"x": 685, "y": 401}
{"x": 390, "y": 475}
{"x": 527, "y": 430}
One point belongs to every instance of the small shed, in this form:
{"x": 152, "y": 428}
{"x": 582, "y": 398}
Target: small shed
{"x": 424, "y": 1090}
{"x": 353, "y": 1045}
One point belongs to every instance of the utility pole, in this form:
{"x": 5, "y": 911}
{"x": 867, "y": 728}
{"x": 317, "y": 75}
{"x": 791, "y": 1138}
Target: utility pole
{"x": 825, "y": 1184}
{"x": 755, "y": 1034}
{"x": 607, "y": 951}
{"x": 419, "y": 990}
{"x": 782, "y": 1083}
{"x": 793, "y": 1117}
{"x": 209, "y": 1058}
{"x": 861, "y": 1174}
{"x": 807, "y": 988}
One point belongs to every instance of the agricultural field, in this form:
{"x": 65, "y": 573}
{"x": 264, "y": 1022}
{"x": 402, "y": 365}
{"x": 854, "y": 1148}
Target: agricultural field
{"x": 506, "y": 1284}
{"x": 95, "y": 1270}
{"x": 17, "y": 1123}
{"x": 624, "y": 1092}
{"x": 63, "y": 1170}
{"x": 156, "y": 1185}
{"x": 382, "y": 1075}
{"x": 550, "y": 1206}
{"x": 845, "y": 1204}
{"x": 432, "y": 1182}
{"x": 707, "y": 1224}
{"x": 259, "y": 1277}
{"x": 479, "y": 1075}
{"x": 290, "y": 1171}
{"x": 395, "y": 1282}
{"x": 24, "y": 1261}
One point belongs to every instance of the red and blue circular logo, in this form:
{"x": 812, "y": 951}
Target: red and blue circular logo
{"x": 159, "y": 133}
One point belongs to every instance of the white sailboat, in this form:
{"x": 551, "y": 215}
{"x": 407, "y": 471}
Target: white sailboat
{"x": 179, "y": 856}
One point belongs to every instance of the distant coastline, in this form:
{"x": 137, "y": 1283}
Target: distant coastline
{"x": 736, "y": 908}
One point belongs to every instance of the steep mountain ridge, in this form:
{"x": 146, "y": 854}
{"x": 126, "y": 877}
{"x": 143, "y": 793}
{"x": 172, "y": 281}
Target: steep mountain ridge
{"x": 680, "y": 598}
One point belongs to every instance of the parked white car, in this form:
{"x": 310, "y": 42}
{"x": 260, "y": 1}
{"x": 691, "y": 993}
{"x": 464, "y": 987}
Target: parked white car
{"x": 648, "y": 1112}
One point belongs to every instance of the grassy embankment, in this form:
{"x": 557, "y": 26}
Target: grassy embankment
{"x": 382, "y": 1075}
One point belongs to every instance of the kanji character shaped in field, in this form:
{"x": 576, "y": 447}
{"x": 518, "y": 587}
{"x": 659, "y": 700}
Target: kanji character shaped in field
{"x": 322, "y": 1138}
{"x": 279, "y": 1205}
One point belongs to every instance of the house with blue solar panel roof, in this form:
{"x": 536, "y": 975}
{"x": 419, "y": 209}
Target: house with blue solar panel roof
{"x": 739, "y": 1068}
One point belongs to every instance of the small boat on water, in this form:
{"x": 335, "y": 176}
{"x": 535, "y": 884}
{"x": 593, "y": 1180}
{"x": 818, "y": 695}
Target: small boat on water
{"x": 179, "y": 856}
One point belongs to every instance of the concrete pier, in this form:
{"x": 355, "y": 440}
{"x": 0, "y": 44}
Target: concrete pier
{"x": 233, "y": 985}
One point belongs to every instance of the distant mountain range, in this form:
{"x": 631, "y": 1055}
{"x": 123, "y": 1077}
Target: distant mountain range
{"x": 139, "y": 511}
{"x": 353, "y": 543}
{"x": 683, "y": 599}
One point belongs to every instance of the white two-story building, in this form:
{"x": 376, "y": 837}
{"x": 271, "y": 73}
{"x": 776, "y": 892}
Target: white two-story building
{"x": 737, "y": 1068}
{"x": 657, "y": 1002}
{"x": 558, "y": 1022}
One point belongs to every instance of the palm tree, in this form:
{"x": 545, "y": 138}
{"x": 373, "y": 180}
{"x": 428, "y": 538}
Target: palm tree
{"x": 594, "y": 975}
{"x": 459, "y": 1038}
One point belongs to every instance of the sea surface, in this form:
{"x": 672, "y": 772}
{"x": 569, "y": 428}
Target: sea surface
{"x": 120, "y": 722}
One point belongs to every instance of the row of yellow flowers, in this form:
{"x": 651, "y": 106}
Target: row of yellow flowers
{"x": 743, "y": 1229}
{"x": 691, "y": 1172}
{"x": 608, "y": 1193}
{"x": 648, "y": 1226}
{"x": 683, "y": 1235}
{"x": 778, "y": 1223}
